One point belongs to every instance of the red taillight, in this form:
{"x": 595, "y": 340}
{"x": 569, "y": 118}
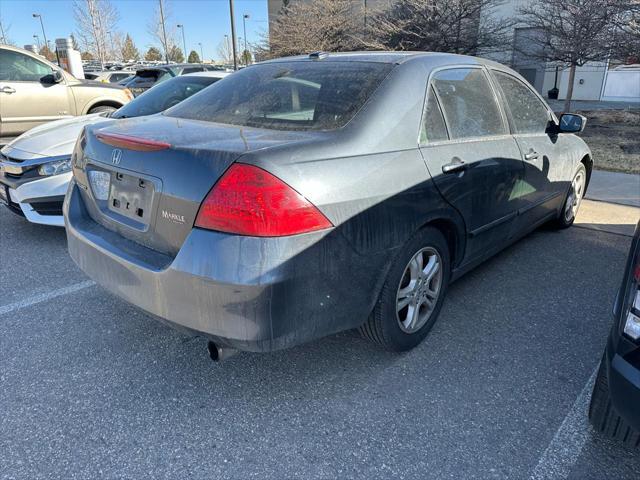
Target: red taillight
{"x": 132, "y": 143}
{"x": 250, "y": 201}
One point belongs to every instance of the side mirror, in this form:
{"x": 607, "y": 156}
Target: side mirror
{"x": 572, "y": 123}
{"x": 54, "y": 77}
{"x": 57, "y": 76}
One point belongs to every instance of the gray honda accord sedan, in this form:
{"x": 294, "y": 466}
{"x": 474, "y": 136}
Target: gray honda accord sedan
{"x": 304, "y": 196}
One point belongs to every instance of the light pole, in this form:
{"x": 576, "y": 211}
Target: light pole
{"x": 201, "y": 53}
{"x": 164, "y": 34}
{"x": 44, "y": 35}
{"x": 233, "y": 35}
{"x": 244, "y": 29}
{"x": 37, "y": 39}
{"x": 184, "y": 44}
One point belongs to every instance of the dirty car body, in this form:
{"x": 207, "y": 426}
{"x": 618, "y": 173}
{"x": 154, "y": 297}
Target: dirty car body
{"x": 337, "y": 153}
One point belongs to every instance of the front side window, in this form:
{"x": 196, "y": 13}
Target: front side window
{"x": 433, "y": 127}
{"x": 528, "y": 113}
{"x": 17, "y": 67}
{"x": 469, "y": 105}
{"x": 288, "y": 95}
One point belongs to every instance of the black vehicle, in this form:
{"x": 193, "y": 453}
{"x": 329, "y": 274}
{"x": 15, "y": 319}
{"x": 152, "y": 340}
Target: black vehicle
{"x": 147, "y": 77}
{"x": 615, "y": 403}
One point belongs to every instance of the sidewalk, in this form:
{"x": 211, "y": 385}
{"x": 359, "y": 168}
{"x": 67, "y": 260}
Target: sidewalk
{"x": 612, "y": 187}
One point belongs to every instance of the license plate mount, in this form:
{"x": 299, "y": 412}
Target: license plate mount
{"x": 131, "y": 197}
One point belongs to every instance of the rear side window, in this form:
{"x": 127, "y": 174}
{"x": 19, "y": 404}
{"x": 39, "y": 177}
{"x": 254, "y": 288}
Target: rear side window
{"x": 288, "y": 95}
{"x": 192, "y": 70}
{"x": 528, "y": 113}
{"x": 433, "y": 127}
{"x": 469, "y": 105}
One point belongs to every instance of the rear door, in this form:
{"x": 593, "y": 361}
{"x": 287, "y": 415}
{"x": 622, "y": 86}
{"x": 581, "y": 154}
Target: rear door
{"x": 471, "y": 156}
{"x": 545, "y": 163}
{"x": 25, "y": 99}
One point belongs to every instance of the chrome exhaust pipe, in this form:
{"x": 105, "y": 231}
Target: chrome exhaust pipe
{"x": 218, "y": 353}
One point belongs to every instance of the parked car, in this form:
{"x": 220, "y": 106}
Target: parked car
{"x": 34, "y": 91}
{"x": 108, "y": 76}
{"x": 147, "y": 77}
{"x": 304, "y": 196}
{"x": 35, "y": 168}
{"x": 615, "y": 403}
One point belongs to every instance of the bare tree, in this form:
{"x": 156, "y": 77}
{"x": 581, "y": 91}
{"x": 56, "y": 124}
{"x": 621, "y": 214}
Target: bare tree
{"x": 454, "y": 26}
{"x": 162, "y": 27}
{"x": 574, "y": 32}
{"x": 225, "y": 52}
{"x": 4, "y": 33}
{"x": 319, "y": 25}
{"x": 95, "y": 19}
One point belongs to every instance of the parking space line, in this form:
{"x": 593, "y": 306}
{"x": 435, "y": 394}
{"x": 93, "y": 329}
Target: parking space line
{"x": 43, "y": 297}
{"x": 567, "y": 444}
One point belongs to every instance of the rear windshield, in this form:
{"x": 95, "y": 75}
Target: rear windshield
{"x": 163, "y": 96}
{"x": 144, "y": 77}
{"x": 287, "y": 95}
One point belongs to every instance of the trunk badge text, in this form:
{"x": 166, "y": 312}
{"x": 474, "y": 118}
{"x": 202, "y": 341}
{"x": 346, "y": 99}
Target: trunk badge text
{"x": 116, "y": 156}
{"x": 174, "y": 217}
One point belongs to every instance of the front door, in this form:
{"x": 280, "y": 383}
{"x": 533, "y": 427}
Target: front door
{"x": 25, "y": 99}
{"x": 472, "y": 158}
{"x": 544, "y": 186}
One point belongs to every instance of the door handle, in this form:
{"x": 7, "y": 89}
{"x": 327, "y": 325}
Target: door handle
{"x": 532, "y": 155}
{"x": 456, "y": 165}
{"x": 7, "y": 90}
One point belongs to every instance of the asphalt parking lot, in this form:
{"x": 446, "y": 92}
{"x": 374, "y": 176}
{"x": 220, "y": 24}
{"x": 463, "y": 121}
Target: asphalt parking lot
{"x": 92, "y": 388}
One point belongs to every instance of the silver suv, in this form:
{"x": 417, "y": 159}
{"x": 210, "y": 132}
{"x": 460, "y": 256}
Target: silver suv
{"x": 34, "y": 91}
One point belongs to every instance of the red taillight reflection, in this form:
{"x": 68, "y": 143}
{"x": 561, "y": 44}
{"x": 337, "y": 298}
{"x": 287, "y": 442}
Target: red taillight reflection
{"x": 250, "y": 201}
{"x": 132, "y": 143}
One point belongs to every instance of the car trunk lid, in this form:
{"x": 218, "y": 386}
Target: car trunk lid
{"x": 152, "y": 195}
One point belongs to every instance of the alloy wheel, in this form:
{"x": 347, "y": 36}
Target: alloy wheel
{"x": 575, "y": 197}
{"x": 419, "y": 289}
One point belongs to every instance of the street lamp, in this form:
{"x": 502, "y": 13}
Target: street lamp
{"x": 201, "y": 53}
{"x": 184, "y": 44}
{"x": 37, "y": 39}
{"x": 37, "y": 15}
{"x": 244, "y": 29}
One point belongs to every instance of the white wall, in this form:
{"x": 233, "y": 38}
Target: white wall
{"x": 622, "y": 85}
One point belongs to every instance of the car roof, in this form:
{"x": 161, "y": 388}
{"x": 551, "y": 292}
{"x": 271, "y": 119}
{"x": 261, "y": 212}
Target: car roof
{"x": 210, "y": 73}
{"x": 383, "y": 57}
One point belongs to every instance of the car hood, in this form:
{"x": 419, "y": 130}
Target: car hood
{"x": 96, "y": 84}
{"x": 53, "y": 139}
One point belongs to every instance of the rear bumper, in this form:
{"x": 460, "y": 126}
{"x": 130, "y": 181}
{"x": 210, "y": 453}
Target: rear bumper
{"x": 624, "y": 382}
{"x": 249, "y": 293}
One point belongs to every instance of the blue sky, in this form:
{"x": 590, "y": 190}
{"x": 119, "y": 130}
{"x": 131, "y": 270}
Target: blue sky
{"x": 205, "y": 21}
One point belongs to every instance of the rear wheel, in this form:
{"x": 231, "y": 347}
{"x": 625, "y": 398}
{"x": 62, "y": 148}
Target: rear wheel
{"x": 603, "y": 416}
{"x": 412, "y": 295}
{"x": 103, "y": 108}
{"x": 573, "y": 199}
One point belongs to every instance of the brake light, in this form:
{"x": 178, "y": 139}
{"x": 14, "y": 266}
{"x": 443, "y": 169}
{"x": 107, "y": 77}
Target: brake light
{"x": 250, "y": 201}
{"x": 132, "y": 143}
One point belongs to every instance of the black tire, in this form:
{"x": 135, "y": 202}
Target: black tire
{"x": 383, "y": 326}
{"x": 103, "y": 108}
{"x": 562, "y": 222}
{"x": 603, "y": 416}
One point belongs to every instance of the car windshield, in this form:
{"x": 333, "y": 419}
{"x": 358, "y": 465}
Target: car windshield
{"x": 163, "y": 96}
{"x": 288, "y": 95}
